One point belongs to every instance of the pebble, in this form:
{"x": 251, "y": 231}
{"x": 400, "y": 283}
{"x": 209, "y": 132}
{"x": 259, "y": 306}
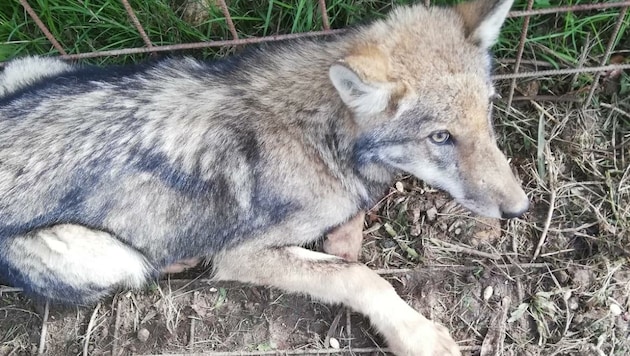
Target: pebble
{"x": 143, "y": 335}
{"x": 334, "y": 343}
{"x": 615, "y": 309}
{"x": 400, "y": 187}
{"x": 487, "y": 293}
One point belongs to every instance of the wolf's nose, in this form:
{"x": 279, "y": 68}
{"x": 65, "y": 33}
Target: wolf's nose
{"x": 517, "y": 212}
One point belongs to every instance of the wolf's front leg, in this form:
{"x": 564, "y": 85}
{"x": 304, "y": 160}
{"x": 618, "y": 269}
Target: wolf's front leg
{"x": 333, "y": 280}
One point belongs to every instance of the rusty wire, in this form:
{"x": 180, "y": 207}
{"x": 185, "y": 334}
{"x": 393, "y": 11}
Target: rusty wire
{"x": 324, "y": 11}
{"x": 519, "y": 55}
{"x": 136, "y": 23}
{"x": 198, "y": 45}
{"x": 564, "y": 71}
{"x": 571, "y": 8}
{"x": 609, "y": 49}
{"x": 42, "y": 27}
{"x": 228, "y": 18}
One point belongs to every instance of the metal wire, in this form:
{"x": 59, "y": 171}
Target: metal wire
{"x": 42, "y": 27}
{"x": 228, "y": 18}
{"x": 136, "y": 23}
{"x": 606, "y": 57}
{"x": 150, "y": 48}
{"x": 519, "y": 55}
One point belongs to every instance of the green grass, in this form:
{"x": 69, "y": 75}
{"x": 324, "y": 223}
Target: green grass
{"x": 85, "y": 26}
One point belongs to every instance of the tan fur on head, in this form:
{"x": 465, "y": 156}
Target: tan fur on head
{"x": 370, "y": 63}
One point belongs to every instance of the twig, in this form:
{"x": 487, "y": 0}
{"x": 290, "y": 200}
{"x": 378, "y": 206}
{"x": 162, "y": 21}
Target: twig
{"x": 553, "y": 98}
{"x": 4, "y": 289}
{"x": 88, "y": 332}
{"x": 614, "y": 108}
{"x": 333, "y": 327}
{"x": 492, "y": 344}
{"x": 42, "y": 336}
{"x": 193, "y": 321}
{"x": 543, "y": 236}
{"x": 543, "y": 111}
{"x": 349, "y": 327}
{"x": 116, "y": 327}
{"x": 297, "y": 352}
{"x": 467, "y": 250}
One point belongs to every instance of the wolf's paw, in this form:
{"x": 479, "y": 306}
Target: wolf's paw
{"x": 426, "y": 339}
{"x": 444, "y": 344}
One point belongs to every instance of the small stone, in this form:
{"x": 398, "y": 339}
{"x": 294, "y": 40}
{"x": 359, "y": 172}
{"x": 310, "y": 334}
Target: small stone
{"x": 567, "y": 294}
{"x": 458, "y": 231}
{"x": 334, "y": 343}
{"x": 487, "y": 293}
{"x": 387, "y": 243}
{"x": 562, "y": 276}
{"x": 432, "y": 214}
{"x": 573, "y": 304}
{"x": 615, "y": 309}
{"x": 400, "y": 187}
{"x": 213, "y": 290}
{"x": 143, "y": 335}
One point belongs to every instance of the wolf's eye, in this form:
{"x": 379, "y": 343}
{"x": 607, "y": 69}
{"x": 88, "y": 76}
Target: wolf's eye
{"x": 440, "y": 137}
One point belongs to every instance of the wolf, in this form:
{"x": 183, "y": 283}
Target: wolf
{"x": 111, "y": 175}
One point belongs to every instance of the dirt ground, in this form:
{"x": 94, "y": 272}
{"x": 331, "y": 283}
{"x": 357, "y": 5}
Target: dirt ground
{"x": 482, "y": 278}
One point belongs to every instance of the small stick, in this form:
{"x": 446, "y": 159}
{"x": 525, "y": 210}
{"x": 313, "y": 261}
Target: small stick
{"x": 349, "y": 327}
{"x": 116, "y": 327}
{"x": 4, "y": 289}
{"x": 333, "y": 328}
{"x": 193, "y": 320}
{"x": 88, "y": 332}
{"x": 298, "y": 352}
{"x": 543, "y": 236}
{"x": 467, "y": 250}
{"x": 42, "y": 336}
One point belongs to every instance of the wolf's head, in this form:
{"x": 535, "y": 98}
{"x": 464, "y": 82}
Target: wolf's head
{"x": 419, "y": 86}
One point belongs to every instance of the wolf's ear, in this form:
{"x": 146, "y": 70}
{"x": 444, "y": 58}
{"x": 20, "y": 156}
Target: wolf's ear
{"x": 483, "y": 19}
{"x": 364, "y": 98}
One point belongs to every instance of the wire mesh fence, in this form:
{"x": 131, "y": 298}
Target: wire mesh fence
{"x": 513, "y": 70}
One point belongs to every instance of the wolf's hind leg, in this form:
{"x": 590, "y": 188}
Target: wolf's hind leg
{"x": 333, "y": 280}
{"x": 71, "y": 263}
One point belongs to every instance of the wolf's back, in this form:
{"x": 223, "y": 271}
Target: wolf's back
{"x": 131, "y": 152}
